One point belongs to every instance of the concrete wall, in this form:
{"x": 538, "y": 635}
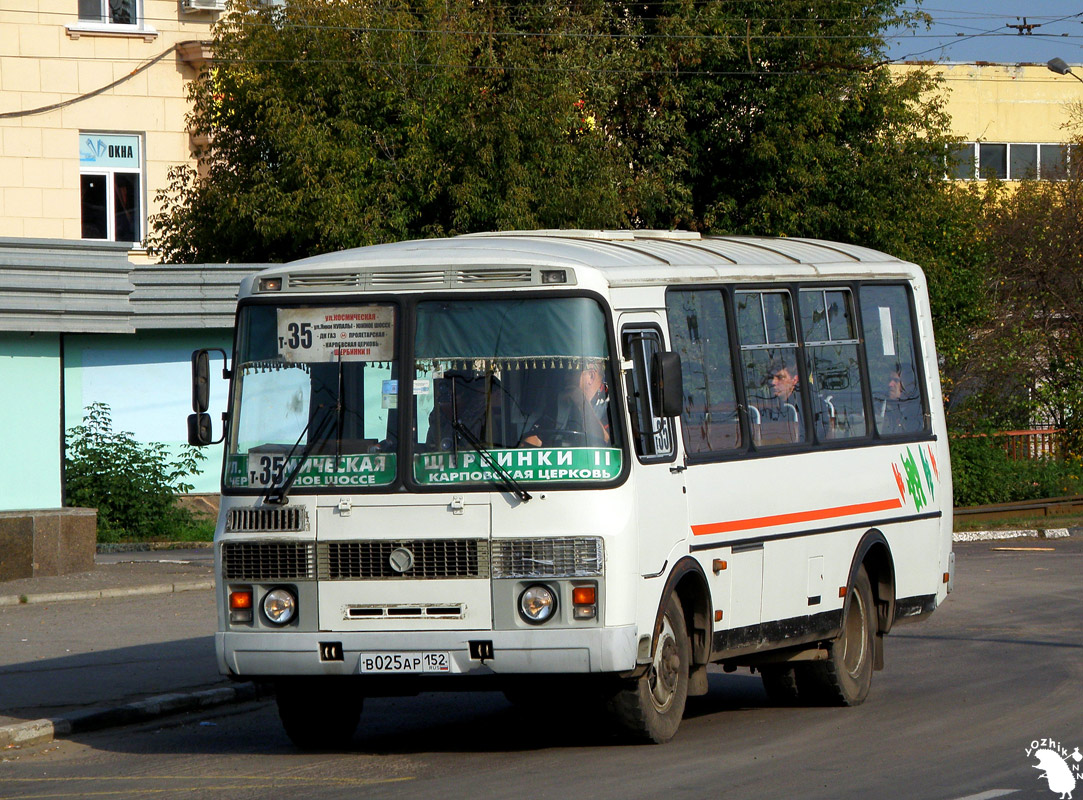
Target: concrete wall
{"x": 145, "y": 379}
{"x": 30, "y": 438}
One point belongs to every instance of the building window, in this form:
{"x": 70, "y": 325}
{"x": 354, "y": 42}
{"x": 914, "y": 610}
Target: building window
{"x": 1010, "y": 161}
{"x": 993, "y": 161}
{"x": 111, "y": 186}
{"x": 112, "y": 12}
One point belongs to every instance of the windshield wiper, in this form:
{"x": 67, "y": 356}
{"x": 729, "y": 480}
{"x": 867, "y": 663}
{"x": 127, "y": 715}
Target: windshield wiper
{"x": 506, "y": 480}
{"x": 276, "y": 495}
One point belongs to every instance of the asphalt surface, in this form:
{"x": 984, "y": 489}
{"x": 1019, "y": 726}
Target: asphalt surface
{"x": 101, "y": 648}
{"x": 129, "y": 641}
{"x": 963, "y": 696}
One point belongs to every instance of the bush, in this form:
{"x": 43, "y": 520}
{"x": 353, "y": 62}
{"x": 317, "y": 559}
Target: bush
{"x": 134, "y": 486}
{"x": 982, "y": 473}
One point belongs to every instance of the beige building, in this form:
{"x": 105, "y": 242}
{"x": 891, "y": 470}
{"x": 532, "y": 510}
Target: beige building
{"x": 92, "y": 112}
{"x": 1013, "y": 118}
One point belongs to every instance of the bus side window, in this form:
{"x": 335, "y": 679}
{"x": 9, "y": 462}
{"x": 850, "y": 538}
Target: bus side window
{"x": 652, "y": 434}
{"x": 768, "y": 346}
{"x": 827, "y": 321}
{"x": 699, "y": 333}
{"x": 897, "y": 399}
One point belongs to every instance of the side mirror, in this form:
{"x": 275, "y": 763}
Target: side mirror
{"x": 199, "y": 423}
{"x": 666, "y": 384}
{"x": 201, "y": 381}
{"x": 199, "y": 430}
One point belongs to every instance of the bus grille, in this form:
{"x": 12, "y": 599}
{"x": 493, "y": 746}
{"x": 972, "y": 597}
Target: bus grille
{"x": 432, "y": 559}
{"x": 268, "y": 561}
{"x": 267, "y": 520}
{"x": 566, "y": 557}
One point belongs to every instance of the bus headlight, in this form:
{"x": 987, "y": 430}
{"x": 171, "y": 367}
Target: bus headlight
{"x": 279, "y": 606}
{"x": 537, "y": 604}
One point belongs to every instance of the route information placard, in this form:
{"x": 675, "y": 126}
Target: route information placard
{"x": 326, "y": 335}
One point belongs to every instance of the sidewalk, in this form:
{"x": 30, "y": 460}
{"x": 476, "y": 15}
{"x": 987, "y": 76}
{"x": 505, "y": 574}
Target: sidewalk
{"x": 98, "y": 649}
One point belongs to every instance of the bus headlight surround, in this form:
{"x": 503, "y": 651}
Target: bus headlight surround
{"x": 537, "y": 604}
{"x": 280, "y": 606}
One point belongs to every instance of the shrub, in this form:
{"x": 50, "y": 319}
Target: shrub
{"x": 133, "y": 486}
{"x": 982, "y": 473}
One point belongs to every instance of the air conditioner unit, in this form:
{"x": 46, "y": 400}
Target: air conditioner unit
{"x": 193, "y": 6}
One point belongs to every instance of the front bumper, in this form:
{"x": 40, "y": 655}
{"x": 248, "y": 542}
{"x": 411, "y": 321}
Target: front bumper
{"x": 281, "y": 653}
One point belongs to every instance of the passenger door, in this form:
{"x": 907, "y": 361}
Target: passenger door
{"x": 661, "y": 507}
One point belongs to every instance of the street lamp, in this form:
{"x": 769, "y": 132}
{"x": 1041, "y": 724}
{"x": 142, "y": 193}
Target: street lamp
{"x": 1060, "y": 66}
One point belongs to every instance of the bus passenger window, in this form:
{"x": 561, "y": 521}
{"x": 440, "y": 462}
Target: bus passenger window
{"x": 827, "y": 320}
{"x": 697, "y": 329}
{"x": 766, "y": 334}
{"x": 897, "y": 399}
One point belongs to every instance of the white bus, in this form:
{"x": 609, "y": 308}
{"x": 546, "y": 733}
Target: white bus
{"x": 578, "y": 464}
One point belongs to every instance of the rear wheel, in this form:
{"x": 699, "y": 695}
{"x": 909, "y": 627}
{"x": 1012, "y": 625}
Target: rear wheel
{"x": 318, "y": 714}
{"x": 650, "y": 707}
{"x": 845, "y": 676}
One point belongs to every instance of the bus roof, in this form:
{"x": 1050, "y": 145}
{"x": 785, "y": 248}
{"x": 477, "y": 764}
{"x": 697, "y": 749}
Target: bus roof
{"x": 516, "y": 258}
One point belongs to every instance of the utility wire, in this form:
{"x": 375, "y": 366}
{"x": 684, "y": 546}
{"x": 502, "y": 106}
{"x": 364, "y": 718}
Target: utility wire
{"x": 72, "y": 101}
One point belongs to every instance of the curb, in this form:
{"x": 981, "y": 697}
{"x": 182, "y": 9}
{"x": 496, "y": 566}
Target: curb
{"x": 988, "y": 536}
{"x": 102, "y": 594}
{"x": 42, "y": 731}
{"x": 150, "y": 547}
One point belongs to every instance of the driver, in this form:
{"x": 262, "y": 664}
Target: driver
{"x": 579, "y": 411}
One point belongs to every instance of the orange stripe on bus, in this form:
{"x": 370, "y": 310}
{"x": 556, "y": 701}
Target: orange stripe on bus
{"x": 796, "y": 516}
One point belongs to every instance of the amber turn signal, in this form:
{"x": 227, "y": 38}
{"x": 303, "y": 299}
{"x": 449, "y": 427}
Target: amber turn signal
{"x": 584, "y": 595}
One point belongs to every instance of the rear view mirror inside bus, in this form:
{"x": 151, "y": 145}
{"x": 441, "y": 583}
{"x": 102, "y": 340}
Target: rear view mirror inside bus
{"x": 666, "y": 383}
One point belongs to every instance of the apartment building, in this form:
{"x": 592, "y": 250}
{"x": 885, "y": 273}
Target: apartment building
{"x": 92, "y": 112}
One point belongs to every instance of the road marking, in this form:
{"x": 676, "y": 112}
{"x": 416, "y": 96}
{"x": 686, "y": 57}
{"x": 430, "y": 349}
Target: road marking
{"x": 989, "y": 795}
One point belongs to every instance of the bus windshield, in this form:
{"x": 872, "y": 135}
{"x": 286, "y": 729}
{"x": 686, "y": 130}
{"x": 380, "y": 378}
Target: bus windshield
{"x": 522, "y": 383}
{"x": 315, "y": 394}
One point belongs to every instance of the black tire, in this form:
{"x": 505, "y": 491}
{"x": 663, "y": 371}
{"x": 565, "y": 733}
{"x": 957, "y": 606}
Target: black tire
{"x": 650, "y": 708}
{"x": 845, "y": 676}
{"x": 319, "y": 714}
{"x": 780, "y": 683}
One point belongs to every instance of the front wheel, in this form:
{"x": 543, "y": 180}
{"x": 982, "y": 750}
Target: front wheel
{"x": 319, "y": 713}
{"x": 845, "y": 676}
{"x": 650, "y": 707}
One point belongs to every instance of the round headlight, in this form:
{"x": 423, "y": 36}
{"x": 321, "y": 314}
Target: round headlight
{"x": 537, "y": 604}
{"x": 279, "y": 606}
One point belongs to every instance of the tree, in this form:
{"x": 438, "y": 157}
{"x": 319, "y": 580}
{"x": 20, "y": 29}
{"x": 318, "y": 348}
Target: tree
{"x": 335, "y": 125}
{"x": 1028, "y": 359}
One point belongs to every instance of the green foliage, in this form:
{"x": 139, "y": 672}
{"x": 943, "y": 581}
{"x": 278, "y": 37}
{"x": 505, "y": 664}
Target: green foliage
{"x": 336, "y": 125}
{"x": 982, "y": 473}
{"x": 133, "y": 486}
{"x": 1024, "y": 364}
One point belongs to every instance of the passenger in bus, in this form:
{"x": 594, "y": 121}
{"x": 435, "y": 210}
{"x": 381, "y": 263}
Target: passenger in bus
{"x": 781, "y": 416}
{"x": 576, "y": 411}
{"x": 893, "y": 416}
{"x": 781, "y": 420}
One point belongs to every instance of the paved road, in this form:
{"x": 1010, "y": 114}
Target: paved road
{"x": 963, "y": 695}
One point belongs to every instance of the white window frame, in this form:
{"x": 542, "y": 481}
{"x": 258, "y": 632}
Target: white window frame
{"x": 975, "y": 149}
{"x": 108, "y": 173}
{"x": 103, "y": 26}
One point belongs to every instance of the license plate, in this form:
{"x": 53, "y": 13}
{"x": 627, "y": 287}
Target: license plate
{"x": 405, "y": 662}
